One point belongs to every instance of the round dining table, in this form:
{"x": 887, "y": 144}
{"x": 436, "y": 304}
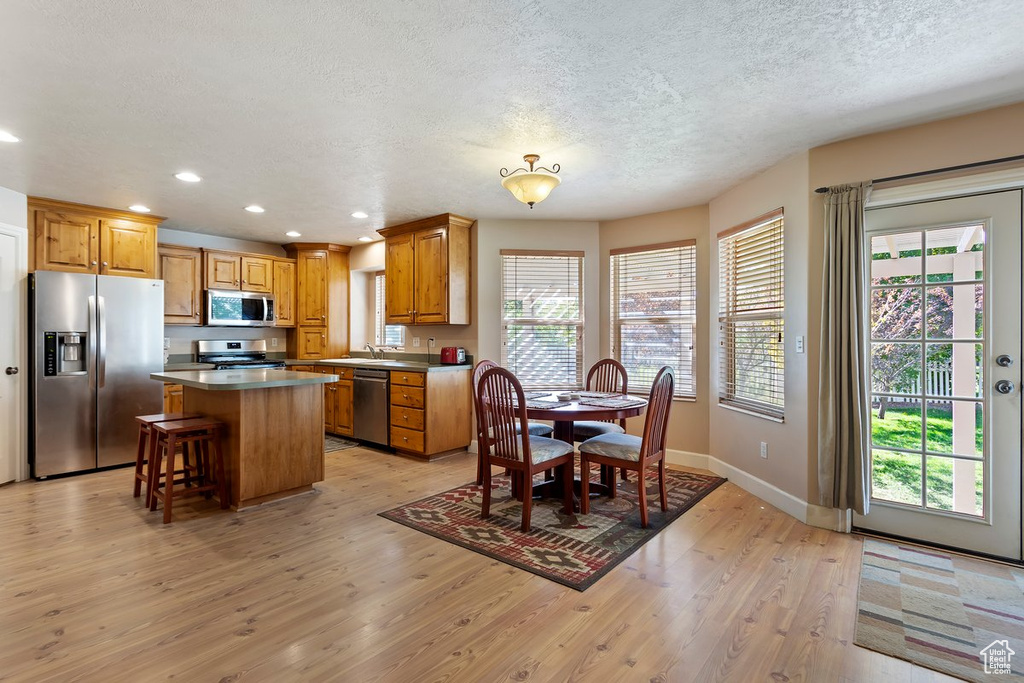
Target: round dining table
{"x": 563, "y": 417}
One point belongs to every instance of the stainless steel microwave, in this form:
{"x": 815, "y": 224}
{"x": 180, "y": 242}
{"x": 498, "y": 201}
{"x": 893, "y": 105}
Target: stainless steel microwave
{"x": 229, "y": 308}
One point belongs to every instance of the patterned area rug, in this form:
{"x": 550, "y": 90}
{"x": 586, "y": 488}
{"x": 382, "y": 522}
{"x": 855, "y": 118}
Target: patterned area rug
{"x": 954, "y": 614}
{"x": 573, "y": 550}
{"x": 336, "y": 443}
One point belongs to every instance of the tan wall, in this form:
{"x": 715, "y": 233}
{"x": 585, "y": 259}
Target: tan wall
{"x": 984, "y": 136}
{"x": 688, "y": 421}
{"x": 735, "y": 437}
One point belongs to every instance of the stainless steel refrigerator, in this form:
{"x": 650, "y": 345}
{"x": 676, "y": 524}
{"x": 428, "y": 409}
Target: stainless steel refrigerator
{"x": 95, "y": 341}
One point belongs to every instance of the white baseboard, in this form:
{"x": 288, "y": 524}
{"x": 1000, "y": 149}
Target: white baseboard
{"x": 813, "y": 515}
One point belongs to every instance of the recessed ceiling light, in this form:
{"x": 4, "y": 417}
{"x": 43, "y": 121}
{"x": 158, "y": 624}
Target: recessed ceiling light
{"x": 188, "y": 177}
{"x": 7, "y": 137}
{"x": 292, "y": 233}
{"x": 253, "y": 208}
{"x": 360, "y": 214}
{"x": 365, "y": 239}
{"x": 138, "y": 208}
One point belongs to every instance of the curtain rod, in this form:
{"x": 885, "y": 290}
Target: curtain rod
{"x": 962, "y": 167}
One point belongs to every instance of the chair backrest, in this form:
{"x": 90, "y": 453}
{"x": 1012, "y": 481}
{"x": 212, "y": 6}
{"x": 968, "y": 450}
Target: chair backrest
{"x": 656, "y": 423}
{"x": 478, "y": 372}
{"x": 607, "y": 375}
{"x": 500, "y": 408}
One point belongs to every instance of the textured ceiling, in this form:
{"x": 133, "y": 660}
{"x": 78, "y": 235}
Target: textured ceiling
{"x": 408, "y": 108}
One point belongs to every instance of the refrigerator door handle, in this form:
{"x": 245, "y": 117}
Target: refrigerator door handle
{"x": 91, "y": 332}
{"x": 101, "y": 356}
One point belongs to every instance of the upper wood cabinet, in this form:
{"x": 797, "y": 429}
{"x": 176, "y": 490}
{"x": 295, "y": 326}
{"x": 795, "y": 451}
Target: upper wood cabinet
{"x": 245, "y": 272}
{"x": 182, "y": 273}
{"x": 321, "y": 300}
{"x": 77, "y": 238}
{"x": 284, "y": 293}
{"x": 426, "y": 270}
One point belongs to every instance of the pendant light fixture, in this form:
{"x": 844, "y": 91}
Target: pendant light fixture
{"x": 533, "y": 185}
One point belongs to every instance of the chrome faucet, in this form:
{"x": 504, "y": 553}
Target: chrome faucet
{"x": 373, "y": 351}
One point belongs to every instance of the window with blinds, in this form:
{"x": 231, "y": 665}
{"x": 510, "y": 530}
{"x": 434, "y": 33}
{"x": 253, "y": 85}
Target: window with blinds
{"x": 384, "y": 334}
{"x": 654, "y": 313}
{"x": 542, "y": 317}
{"x": 750, "y": 319}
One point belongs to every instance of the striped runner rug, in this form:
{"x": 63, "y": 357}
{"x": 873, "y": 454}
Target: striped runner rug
{"x": 954, "y": 614}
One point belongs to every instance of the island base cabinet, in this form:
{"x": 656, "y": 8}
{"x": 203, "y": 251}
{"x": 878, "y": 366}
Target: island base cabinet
{"x": 273, "y": 439}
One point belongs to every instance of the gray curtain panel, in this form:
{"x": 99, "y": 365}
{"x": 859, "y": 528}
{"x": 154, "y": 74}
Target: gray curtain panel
{"x": 844, "y": 465}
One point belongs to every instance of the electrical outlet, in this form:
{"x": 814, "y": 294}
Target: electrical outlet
{"x": 273, "y": 341}
{"x": 764, "y": 450}
{"x": 800, "y": 344}
{"x": 430, "y": 342}
{"x": 416, "y": 341}
{"x": 167, "y": 343}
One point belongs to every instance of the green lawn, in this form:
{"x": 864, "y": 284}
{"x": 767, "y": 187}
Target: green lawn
{"x": 897, "y": 476}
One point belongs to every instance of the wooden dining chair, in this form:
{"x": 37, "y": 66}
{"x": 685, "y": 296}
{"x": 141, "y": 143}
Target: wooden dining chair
{"x": 507, "y": 442}
{"x": 606, "y": 375}
{"x": 634, "y": 452}
{"x": 535, "y": 428}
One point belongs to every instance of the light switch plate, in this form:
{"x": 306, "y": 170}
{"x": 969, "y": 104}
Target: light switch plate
{"x": 800, "y": 344}
{"x": 167, "y": 343}
{"x": 273, "y": 341}
{"x": 415, "y": 341}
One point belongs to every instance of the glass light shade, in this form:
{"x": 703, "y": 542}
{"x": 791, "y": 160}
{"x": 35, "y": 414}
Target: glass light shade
{"x": 531, "y": 187}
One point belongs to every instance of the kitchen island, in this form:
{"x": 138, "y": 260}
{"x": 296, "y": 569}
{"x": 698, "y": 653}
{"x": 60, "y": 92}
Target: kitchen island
{"x": 273, "y": 438}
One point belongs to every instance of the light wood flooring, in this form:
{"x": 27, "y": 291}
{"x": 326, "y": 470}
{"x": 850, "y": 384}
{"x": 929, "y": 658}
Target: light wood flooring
{"x": 319, "y": 588}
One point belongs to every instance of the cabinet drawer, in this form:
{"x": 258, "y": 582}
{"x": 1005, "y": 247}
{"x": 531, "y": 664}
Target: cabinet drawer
{"x": 412, "y": 397}
{"x": 410, "y": 418}
{"x": 343, "y": 373}
{"x": 411, "y": 379}
{"x": 406, "y": 439}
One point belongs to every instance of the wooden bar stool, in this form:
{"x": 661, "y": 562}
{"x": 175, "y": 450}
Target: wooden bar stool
{"x": 146, "y": 446}
{"x": 210, "y": 476}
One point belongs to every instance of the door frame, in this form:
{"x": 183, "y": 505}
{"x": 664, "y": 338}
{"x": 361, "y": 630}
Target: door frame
{"x": 20, "y": 331}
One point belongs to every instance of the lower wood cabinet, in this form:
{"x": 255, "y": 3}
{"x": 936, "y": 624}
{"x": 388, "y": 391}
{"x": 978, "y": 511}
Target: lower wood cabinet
{"x": 337, "y": 399}
{"x": 430, "y": 412}
{"x": 173, "y": 402}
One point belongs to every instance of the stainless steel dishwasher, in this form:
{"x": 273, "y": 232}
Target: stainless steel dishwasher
{"x": 370, "y": 406}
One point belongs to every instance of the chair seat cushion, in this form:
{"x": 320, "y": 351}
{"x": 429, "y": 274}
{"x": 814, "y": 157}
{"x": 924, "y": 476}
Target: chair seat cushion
{"x": 539, "y": 429}
{"x": 544, "y": 449}
{"x": 587, "y": 429}
{"x": 619, "y": 446}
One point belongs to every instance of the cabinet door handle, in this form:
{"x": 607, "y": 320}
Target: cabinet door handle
{"x": 104, "y": 263}
{"x": 94, "y": 263}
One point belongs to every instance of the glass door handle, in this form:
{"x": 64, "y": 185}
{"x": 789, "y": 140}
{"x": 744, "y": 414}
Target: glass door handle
{"x": 1004, "y": 361}
{"x": 1004, "y": 386}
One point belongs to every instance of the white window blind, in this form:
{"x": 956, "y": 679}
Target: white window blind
{"x": 750, "y": 322}
{"x": 542, "y": 317}
{"x": 653, "y": 313}
{"x": 384, "y": 334}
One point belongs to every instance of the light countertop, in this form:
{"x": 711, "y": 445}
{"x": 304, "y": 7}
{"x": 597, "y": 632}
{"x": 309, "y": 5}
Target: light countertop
{"x": 379, "y": 364}
{"x": 234, "y": 380}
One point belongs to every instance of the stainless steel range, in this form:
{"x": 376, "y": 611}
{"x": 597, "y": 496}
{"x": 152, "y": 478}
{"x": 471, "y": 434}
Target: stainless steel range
{"x": 228, "y": 355}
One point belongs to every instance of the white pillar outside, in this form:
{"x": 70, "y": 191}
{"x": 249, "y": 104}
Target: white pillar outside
{"x": 964, "y": 473}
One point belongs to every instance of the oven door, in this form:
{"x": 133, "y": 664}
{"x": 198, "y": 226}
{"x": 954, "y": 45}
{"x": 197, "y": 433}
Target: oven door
{"x": 238, "y": 309}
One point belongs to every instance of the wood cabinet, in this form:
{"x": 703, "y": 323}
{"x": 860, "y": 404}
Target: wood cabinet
{"x": 427, "y": 271}
{"x": 173, "y": 402}
{"x": 321, "y": 300}
{"x": 245, "y": 272}
{"x": 430, "y": 412}
{"x": 337, "y": 400}
{"x": 284, "y": 293}
{"x": 181, "y": 270}
{"x": 77, "y": 238}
